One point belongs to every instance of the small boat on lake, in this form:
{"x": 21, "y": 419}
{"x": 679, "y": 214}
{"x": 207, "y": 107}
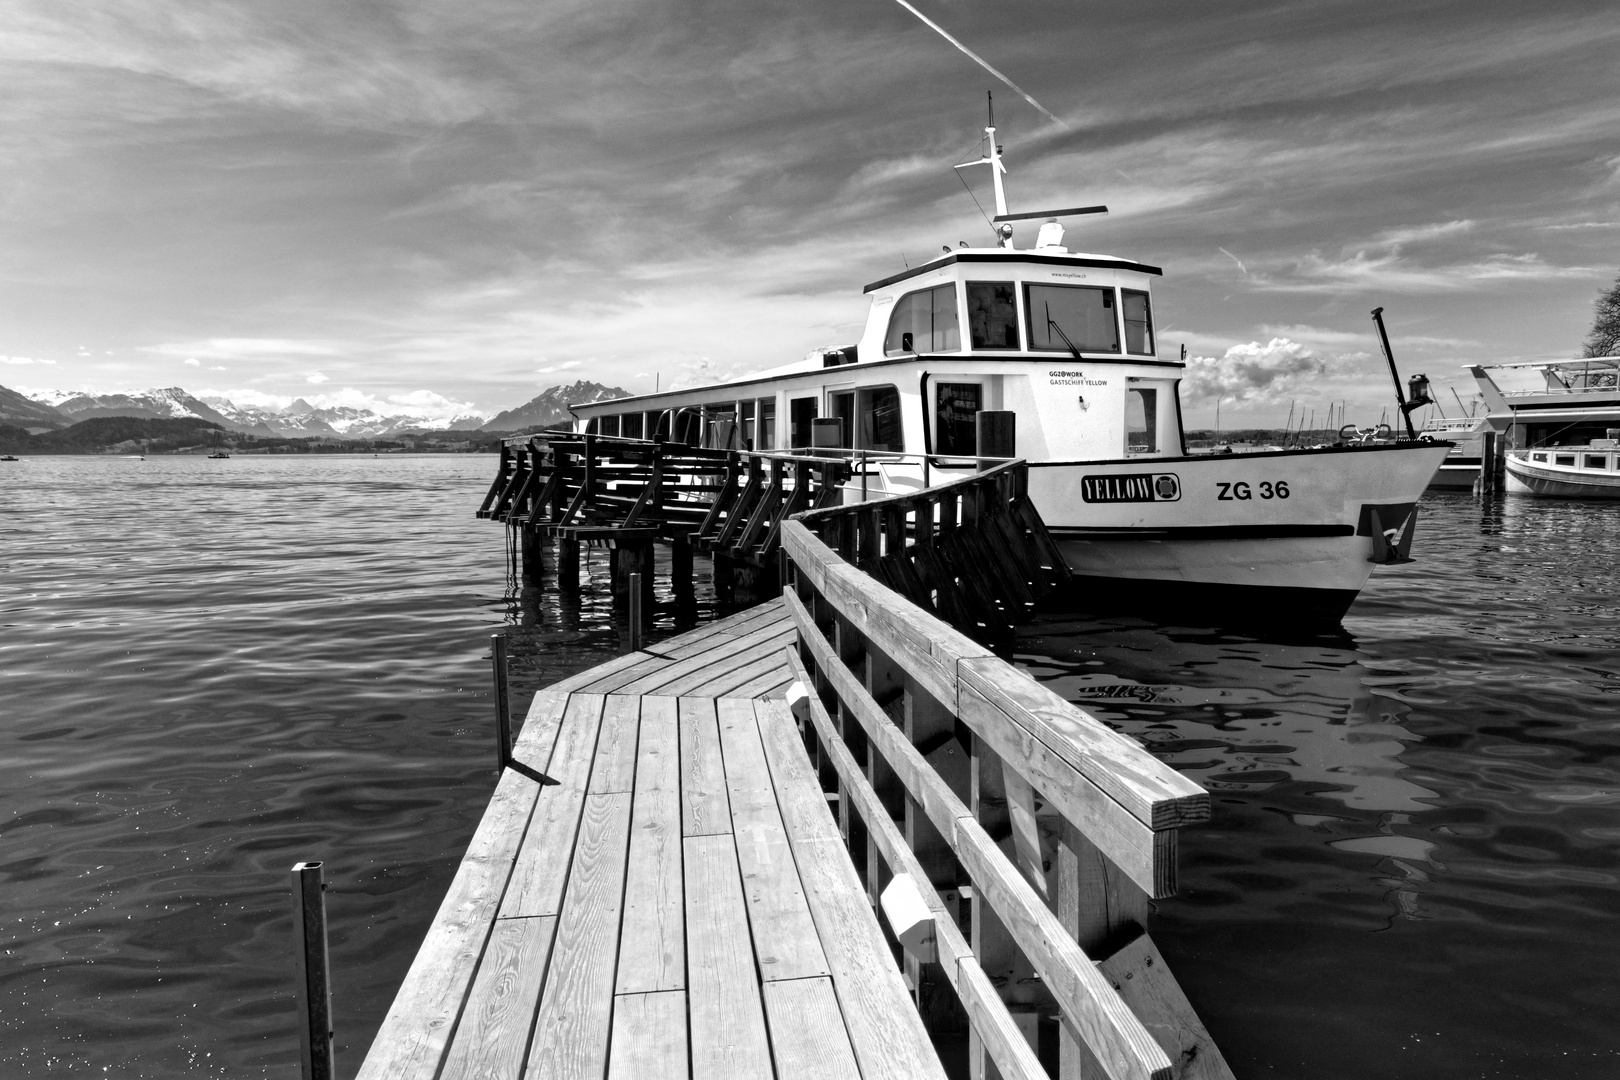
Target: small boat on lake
{"x": 1065, "y": 340}
{"x": 218, "y": 455}
{"x": 1590, "y": 471}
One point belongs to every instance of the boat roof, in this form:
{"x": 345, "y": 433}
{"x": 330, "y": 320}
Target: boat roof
{"x": 1005, "y": 255}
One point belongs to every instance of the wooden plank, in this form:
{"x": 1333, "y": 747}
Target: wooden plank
{"x": 723, "y": 999}
{"x": 1105, "y": 1023}
{"x": 884, "y": 1029}
{"x": 785, "y": 941}
{"x": 721, "y": 668}
{"x": 572, "y": 1028}
{"x": 615, "y": 766}
{"x": 1144, "y": 981}
{"x": 1146, "y": 856}
{"x": 542, "y": 863}
{"x": 616, "y": 675}
{"x": 1006, "y": 1045}
{"x": 652, "y": 942}
{"x": 492, "y": 1035}
{"x": 535, "y": 741}
{"x": 1026, "y": 837}
{"x": 1155, "y": 793}
{"x": 649, "y": 1037}
{"x": 704, "y": 805}
{"x": 585, "y": 678}
{"x": 808, "y": 1038}
{"x": 720, "y": 648}
{"x": 411, "y": 1041}
{"x": 772, "y": 668}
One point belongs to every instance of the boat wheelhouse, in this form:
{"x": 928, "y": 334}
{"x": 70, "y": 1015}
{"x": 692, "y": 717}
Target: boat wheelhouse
{"x": 1065, "y": 342}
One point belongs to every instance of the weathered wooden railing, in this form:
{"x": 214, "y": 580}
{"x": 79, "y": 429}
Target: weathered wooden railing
{"x": 973, "y": 551}
{"x": 993, "y": 794}
{"x": 594, "y": 487}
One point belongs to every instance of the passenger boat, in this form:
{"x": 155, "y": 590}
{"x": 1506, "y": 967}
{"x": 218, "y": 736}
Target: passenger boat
{"x": 1589, "y": 471}
{"x": 1065, "y": 341}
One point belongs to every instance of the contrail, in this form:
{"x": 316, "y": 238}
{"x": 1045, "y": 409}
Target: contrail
{"x": 982, "y": 62}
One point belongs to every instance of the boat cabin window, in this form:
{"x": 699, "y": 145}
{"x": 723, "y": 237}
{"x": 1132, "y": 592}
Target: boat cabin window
{"x": 630, "y": 425}
{"x": 878, "y": 419}
{"x": 610, "y": 425}
{"x": 992, "y": 315}
{"x": 957, "y": 405}
{"x": 745, "y": 424}
{"x": 1138, "y": 322}
{"x": 801, "y": 418}
{"x": 1563, "y": 459}
{"x": 1065, "y": 315}
{"x": 1538, "y": 457}
{"x": 924, "y": 321}
{"x": 688, "y": 427}
{"x": 1596, "y": 461}
{"x": 1141, "y": 421}
{"x": 722, "y": 433}
{"x": 767, "y": 425}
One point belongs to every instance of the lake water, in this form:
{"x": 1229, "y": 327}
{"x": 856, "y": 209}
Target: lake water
{"x": 210, "y": 670}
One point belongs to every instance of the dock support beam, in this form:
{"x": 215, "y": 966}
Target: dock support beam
{"x": 314, "y": 971}
{"x": 532, "y": 562}
{"x": 567, "y": 564}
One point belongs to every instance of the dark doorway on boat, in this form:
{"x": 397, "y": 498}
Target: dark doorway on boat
{"x": 843, "y": 407}
{"x": 801, "y": 416}
{"x": 958, "y": 403}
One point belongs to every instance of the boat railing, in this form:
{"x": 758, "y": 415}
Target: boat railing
{"x": 1033, "y": 834}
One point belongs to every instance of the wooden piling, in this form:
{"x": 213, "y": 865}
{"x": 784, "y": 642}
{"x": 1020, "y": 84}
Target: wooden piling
{"x": 314, "y": 972}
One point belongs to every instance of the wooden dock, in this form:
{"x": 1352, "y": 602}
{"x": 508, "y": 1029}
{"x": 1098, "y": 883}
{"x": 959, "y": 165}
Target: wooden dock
{"x": 671, "y": 899}
{"x": 659, "y": 888}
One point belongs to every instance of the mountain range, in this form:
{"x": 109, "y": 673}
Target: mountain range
{"x": 48, "y": 410}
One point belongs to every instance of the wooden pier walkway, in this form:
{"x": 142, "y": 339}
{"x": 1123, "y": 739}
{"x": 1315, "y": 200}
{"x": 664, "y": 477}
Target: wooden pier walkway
{"x": 670, "y": 899}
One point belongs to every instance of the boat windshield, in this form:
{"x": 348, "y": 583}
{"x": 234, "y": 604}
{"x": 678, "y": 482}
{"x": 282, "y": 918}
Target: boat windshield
{"x": 1077, "y": 315}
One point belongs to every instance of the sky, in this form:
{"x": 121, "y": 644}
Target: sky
{"x": 449, "y": 207}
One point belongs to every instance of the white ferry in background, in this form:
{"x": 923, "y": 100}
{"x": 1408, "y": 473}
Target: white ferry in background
{"x": 1537, "y": 406}
{"x": 1065, "y": 340}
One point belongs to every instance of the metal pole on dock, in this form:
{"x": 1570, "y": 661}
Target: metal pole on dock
{"x": 503, "y": 709}
{"x": 635, "y": 612}
{"x": 314, "y": 974}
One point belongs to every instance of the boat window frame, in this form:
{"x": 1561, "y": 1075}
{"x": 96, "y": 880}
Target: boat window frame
{"x": 863, "y": 408}
{"x": 1110, "y": 300}
{"x": 1566, "y": 460}
{"x": 1147, "y": 322}
{"x": 1017, "y": 316}
{"x": 933, "y": 319}
{"x": 1601, "y": 459}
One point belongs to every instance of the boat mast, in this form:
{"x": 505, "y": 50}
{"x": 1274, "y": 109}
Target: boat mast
{"x": 997, "y": 170}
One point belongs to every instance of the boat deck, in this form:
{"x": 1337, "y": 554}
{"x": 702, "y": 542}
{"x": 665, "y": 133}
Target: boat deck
{"x": 658, "y": 890}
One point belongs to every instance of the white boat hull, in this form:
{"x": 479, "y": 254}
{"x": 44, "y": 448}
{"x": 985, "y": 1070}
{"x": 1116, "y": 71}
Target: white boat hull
{"x": 1528, "y": 478}
{"x": 1293, "y": 528}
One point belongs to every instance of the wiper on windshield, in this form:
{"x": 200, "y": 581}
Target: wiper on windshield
{"x": 1052, "y": 325}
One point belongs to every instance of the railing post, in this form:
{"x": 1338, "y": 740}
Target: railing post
{"x": 314, "y": 971}
{"x": 503, "y": 709}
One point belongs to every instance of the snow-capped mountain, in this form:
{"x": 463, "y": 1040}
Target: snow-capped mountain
{"x": 166, "y": 403}
{"x": 551, "y": 406}
{"x": 301, "y": 419}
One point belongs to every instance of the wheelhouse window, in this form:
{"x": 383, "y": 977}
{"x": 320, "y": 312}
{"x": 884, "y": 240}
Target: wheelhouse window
{"x": 1071, "y": 318}
{"x": 924, "y": 321}
{"x": 956, "y": 407}
{"x": 630, "y": 425}
{"x": 1138, "y": 322}
{"x": 1141, "y": 421}
{"x": 992, "y": 315}
{"x": 878, "y": 419}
